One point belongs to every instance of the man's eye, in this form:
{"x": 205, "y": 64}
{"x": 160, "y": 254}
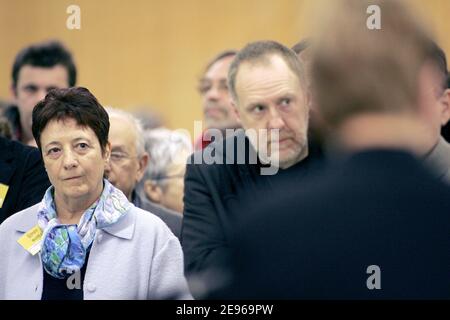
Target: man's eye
{"x": 258, "y": 109}
{"x": 30, "y": 89}
{"x": 223, "y": 86}
{"x": 285, "y": 102}
{"x": 204, "y": 88}
{"x": 118, "y": 156}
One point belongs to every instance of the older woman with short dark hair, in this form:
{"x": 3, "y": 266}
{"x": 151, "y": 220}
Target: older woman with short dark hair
{"x": 84, "y": 240}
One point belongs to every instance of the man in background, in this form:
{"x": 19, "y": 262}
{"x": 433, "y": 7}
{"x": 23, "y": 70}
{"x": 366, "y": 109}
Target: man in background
{"x": 213, "y": 88}
{"x": 37, "y": 69}
{"x": 267, "y": 85}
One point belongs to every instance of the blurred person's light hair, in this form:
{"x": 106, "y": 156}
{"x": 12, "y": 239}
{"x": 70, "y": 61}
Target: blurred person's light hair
{"x": 356, "y": 70}
{"x": 164, "y": 147}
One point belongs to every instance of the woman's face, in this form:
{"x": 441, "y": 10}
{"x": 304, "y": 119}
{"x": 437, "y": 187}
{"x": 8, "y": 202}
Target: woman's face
{"x": 73, "y": 159}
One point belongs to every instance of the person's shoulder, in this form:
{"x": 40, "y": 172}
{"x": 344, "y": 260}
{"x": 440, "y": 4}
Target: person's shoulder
{"x": 160, "y": 211}
{"x": 21, "y": 221}
{"x": 167, "y": 215}
{"x": 146, "y": 222}
{"x": 16, "y": 150}
{"x": 150, "y": 231}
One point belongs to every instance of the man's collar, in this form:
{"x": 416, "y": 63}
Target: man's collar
{"x": 124, "y": 228}
{"x": 439, "y": 158}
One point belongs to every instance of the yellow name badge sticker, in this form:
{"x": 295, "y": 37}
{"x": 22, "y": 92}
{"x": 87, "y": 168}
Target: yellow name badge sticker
{"x": 31, "y": 241}
{"x": 3, "y": 191}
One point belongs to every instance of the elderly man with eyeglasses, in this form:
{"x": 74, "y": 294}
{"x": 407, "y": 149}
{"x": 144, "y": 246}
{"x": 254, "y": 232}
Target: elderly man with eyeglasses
{"x": 128, "y": 163}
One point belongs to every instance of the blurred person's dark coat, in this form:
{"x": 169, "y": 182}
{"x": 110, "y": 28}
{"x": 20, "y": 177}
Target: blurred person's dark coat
{"x": 374, "y": 208}
{"x": 22, "y": 171}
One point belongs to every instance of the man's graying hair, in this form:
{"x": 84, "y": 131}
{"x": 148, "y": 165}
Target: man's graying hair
{"x": 163, "y": 146}
{"x": 260, "y": 52}
{"x": 354, "y": 69}
{"x": 140, "y": 141}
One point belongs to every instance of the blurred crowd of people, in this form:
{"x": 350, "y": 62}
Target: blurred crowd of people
{"x": 101, "y": 203}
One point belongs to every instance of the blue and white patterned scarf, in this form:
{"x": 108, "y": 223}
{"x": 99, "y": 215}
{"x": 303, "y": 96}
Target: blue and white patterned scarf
{"x": 64, "y": 247}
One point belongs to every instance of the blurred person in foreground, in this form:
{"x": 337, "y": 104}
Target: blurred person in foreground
{"x": 374, "y": 224}
{"x": 88, "y": 229}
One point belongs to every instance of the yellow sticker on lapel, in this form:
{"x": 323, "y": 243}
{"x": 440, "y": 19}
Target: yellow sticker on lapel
{"x": 31, "y": 240}
{"x": 3, "y": 191}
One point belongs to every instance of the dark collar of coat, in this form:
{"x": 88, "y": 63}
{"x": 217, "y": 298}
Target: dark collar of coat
{"x": 439, "y": 158}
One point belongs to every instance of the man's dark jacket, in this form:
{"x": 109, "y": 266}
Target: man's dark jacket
{"x": 214, "y": 197}
{"x": 22, "y": 170}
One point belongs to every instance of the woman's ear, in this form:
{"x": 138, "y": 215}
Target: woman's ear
{"x": 153, "y": 191}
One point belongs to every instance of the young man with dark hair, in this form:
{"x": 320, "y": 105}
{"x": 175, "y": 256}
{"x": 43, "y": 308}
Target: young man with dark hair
{"x": 37, "y": 69}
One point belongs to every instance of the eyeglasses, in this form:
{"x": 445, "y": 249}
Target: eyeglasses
{"x": 119, "y": 157}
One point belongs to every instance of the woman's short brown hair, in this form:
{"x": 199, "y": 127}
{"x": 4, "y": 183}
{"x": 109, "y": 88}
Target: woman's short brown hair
{"x": 77, "y": 103}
